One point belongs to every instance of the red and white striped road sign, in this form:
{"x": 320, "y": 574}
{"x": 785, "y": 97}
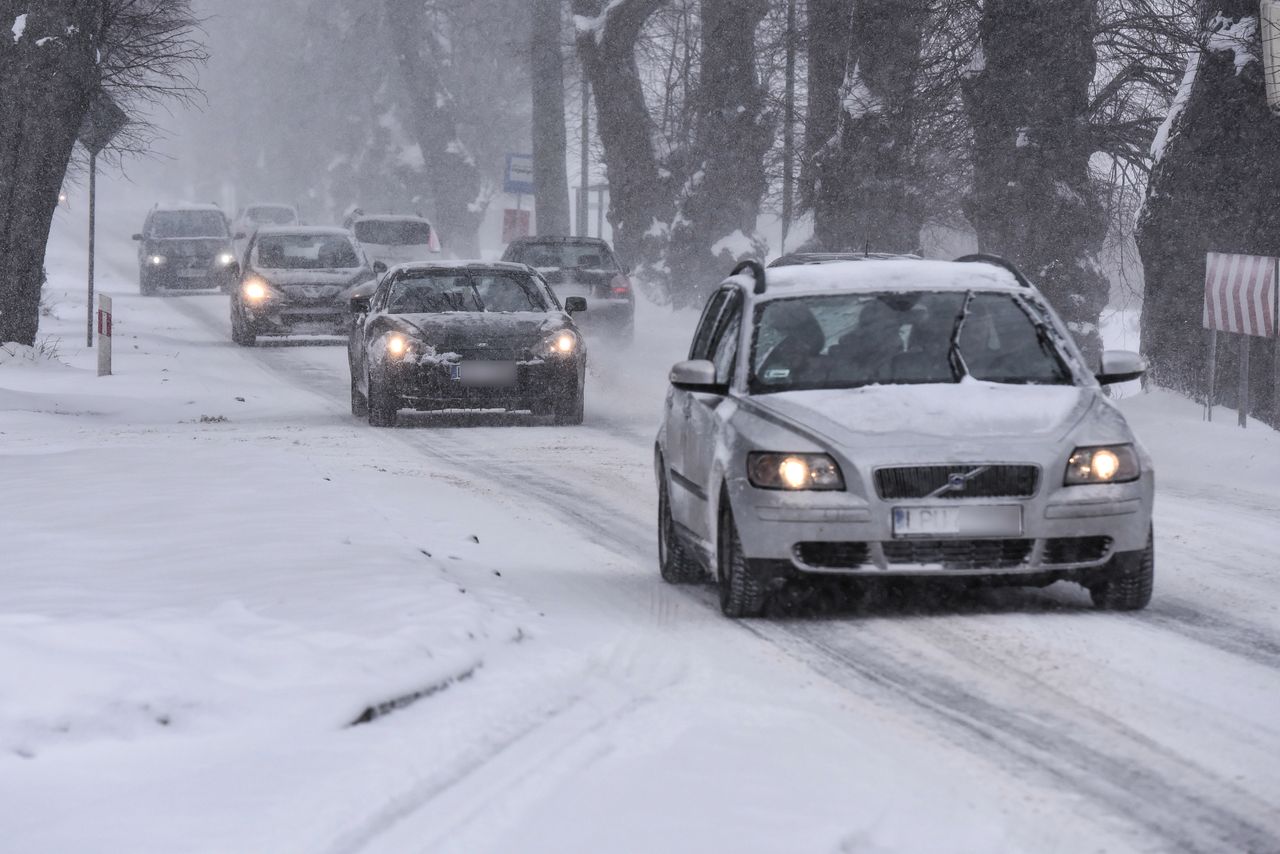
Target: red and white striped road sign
{"x": 1240, "y": 294}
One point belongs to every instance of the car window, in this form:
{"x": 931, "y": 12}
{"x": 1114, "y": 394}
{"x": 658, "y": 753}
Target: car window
{"x": 852, "y": 340}
{"x": 393, "y": 232}
{"x": 188, "y": 224}
{"x": 305, "y": 252}
{"x": 434, "y": 291}
{"x": 508, "y": 292}
{"x": 726, "y": 349}
{"x": 559, "y": 256}
{"x": 703, "y": 336}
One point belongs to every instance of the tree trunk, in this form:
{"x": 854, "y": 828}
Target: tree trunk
{"x": 549, "y": 144}
{"x": 47, "y": 80}
{"x": 1032, "y": 199}
{"x": 717, "y": 225}
{"x": 829, "y": 34}
{"x": 864, "y": 194}
{"x": 1213, "y": 189}
{"x": 452, "y": 171}
{"x": 639, "y": 198}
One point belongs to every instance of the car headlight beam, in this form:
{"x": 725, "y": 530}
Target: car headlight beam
{"x": 1102, "y": 464}
{"x": 226, "y": 259}
{"x": 562, "y": 343}
{"x": 157, "y": 260}
{"x": 255, "y": 290}
{"x": 794, "y": 472}
{"x": 397, "y": 345}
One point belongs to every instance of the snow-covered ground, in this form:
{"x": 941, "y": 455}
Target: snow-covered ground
{"x": 237, "y": 619}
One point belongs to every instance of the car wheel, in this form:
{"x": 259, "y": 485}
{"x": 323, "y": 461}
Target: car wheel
{"x": 674, "y": 561}
{"x": 570, "y": 408}
{"x": 1126, "y": 583}
{"x": 240, "y": 332}
{"x": 382, "y": 410}
{"x": 741, "y": 593}
{"x": 359, "y": 403}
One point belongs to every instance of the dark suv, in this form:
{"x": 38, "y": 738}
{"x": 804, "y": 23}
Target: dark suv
{"x": 583, "y": 267}
{"x": 185, "y": 247}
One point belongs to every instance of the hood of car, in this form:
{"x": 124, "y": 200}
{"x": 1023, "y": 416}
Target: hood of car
{"x": 467, "y": 330}
{"x": 971, "y": 410}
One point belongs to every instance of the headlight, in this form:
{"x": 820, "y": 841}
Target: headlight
{"x": 157, "y": 260}
{"x": 398, "y": 345}
{"x": 562, "y": 343}
{"x": 226, "y": 259}
{"x": 794, "y": 472}
{"x": 1102, "y": 464}
{"x": 255, "y": 290}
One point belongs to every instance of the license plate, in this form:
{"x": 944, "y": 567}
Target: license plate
{"x": 999, "y": 521}
{"x": 485, "y": 373}
{"x": 192, "y": 274}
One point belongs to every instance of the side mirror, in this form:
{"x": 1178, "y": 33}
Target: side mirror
{"x": 360, "y": 305}
{"x": 1120, "y": 366}
{"x": 573, "y": 305}
{"x": 137, "y": 237}
{"x": 697, "y": 375}
{"x": 379, "y": 267}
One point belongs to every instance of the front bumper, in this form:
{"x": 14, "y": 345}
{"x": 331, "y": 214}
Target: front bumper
{"x": 1064, "y": 529}
{"x": 172, "y": 277}
{"x": 431, "y": 385}
{"x": 280, "y": 318}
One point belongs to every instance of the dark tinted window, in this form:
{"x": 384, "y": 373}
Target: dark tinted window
{"x": 305, "y": 252}
{"x": 166, "y": 224}
{"x": 387, "y": 233}
{"x": 434, "y": 291}
{"x": 564, "y": 256}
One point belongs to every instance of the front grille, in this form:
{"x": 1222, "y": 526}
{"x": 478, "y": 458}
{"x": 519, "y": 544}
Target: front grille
{"x": 1063, "y": 550}
{"x": 989, "y": 481}
{"x": 959, "y": 554}
{"x": 833, "y": 555}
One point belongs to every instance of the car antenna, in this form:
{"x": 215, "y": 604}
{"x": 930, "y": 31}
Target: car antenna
{"x": 757, "y": 272}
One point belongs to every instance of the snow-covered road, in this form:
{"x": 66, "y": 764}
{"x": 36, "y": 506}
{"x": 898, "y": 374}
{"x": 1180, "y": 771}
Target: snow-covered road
{"x": 572, "y": 701}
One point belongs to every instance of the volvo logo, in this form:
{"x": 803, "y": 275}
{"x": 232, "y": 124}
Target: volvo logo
{"x": 957, "y": 481}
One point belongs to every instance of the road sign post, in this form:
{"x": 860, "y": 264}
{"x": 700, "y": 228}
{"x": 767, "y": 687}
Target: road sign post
{"x": 104, "y": 336}
{"x": 1240, "y": 297}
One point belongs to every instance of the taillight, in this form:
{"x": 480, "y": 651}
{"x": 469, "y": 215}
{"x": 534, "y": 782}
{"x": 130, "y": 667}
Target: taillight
{"x": 621, "y": 286}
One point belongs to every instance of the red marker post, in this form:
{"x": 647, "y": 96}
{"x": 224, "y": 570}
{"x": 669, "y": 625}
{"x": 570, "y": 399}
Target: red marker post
{"x": 104, "y": 335}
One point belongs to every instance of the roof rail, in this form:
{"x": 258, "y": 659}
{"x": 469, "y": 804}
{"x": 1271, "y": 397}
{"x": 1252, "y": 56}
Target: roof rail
{"x": 995, "y": 261}
{"x": 757, "y": 273}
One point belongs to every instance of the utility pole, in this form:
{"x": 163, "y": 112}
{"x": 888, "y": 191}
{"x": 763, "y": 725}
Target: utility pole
{"x": 789, "y": 127}
{"x": 93, "y": 211}
{"x": 584, "y": 179}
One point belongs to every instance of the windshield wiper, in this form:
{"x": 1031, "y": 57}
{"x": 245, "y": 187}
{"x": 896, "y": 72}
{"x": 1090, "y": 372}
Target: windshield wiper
{"x": 959, "y": 370}
{"x": 1045, "y": 334}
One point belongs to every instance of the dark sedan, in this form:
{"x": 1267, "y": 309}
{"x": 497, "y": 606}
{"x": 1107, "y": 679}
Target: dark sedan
{"x": 465, "y": 335}
{"x": 584, "y": 267}
{"x": 297, "y": 281}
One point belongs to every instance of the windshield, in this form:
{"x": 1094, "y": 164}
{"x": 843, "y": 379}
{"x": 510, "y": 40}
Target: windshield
{"x": 585, "y": 256}
{"x": 305, "y": 252}
{"x": 393, "y": 233}
{"x": 190, "y": 224}
{"x": 437, "y": 291}
{"x": 272, "y": 215}
{"x": 853, "y": 340}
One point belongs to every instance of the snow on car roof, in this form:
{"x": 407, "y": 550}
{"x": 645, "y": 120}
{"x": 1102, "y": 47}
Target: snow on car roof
{"x": 471, "y": 264}
{"x": 888, "y": 275}
{"x": 390, "y": 218}
{"x": 179, "y": 206}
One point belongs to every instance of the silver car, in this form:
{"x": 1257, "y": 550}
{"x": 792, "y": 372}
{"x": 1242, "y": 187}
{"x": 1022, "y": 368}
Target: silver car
{"x": 898, "y": 418}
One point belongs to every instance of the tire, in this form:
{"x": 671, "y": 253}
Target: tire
{"x": 359, "y": 403}
{"x": 675, "y": 563}
{"x": 1127, "y": 581}
{"x": 382, "y": 411}
{"x": 240, "y": 333}
{"x": 569, "y": 409}
{"x": 741, "y": 593}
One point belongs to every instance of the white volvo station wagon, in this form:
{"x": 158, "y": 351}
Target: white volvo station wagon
{"x": 898, "y": 417}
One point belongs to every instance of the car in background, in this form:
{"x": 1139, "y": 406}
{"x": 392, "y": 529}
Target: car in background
{"x": 584, "y": 267}
{"x": 392, "y": 240}
{"x": 185, "y": 247}
{"x": 297, "y": 280}
{"x": 255, "y": 216}
{"x": 899, "y": 418}
{"x": 466, "y": 335}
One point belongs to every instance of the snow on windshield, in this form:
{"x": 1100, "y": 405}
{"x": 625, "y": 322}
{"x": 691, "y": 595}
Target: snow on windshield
{"x": 440, "y": 291}
{"x": 188, "y": 224}
{"x": 305, "y": 252}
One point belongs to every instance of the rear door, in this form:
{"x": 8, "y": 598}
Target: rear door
{"x": 685, "y": 496}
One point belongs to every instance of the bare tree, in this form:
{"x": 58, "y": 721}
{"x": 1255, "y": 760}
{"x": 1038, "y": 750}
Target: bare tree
{"x": 62, "y": 55}
{"x": 549, "y": 143}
